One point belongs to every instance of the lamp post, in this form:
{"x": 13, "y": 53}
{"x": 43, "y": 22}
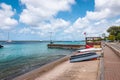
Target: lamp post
{"x": 85, "y": 39}
{"x": 103, "y": 35}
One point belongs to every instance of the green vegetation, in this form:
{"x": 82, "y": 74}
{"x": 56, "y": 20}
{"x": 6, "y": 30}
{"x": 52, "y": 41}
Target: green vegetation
{"x": 118, "y": 36}
{"x": 114, "y": 33}
{"x": 111, "y": 37}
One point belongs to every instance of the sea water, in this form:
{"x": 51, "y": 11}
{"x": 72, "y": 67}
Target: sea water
{"x": 17, "y": 58}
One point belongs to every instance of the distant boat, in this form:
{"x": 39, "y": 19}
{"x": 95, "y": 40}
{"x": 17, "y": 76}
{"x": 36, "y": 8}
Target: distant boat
{"x": 1, "y": 46}
{"x": 9, "y": 41}
{"x": 9, "y": 38}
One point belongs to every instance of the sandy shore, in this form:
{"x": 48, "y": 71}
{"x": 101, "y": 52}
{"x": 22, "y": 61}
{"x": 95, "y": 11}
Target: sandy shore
{"x": 72, "y": 71}
{"x": 87, "y": 70}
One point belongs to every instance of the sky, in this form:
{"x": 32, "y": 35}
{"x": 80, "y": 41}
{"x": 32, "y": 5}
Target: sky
{"x": 58, "y": 19}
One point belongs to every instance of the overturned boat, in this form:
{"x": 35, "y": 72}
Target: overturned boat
{"x": 84, "y": 57}
{"x": 90, "y": 50}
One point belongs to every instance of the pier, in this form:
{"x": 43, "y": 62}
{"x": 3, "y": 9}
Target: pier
{"x": 65, "y": 46}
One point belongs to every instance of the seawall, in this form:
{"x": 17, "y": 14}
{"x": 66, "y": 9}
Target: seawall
{"x": 35, "y": 73}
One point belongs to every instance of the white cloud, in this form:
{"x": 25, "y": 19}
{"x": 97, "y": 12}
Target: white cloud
{"x": 6, "y": 20}
{"x": 25, "y": 30}
{"x": 98, "y": 21}
{"x": 39, "y": 10}
{"x": 52, "y": 25}
{"x": 92, "y": 28}
{"x": 69, "y": 30}
{"x": 113, "y": 5}
{"x": 81, "y": 23}
{"x": 101, "y": 22}
{"x": 117, "y": 21}
{"x": 98, "y": 15}
{"x": 104, "y": 9}
{"x": 59, "y": 24}
{"x": 44, "y": 29}
{"x": 40, "y": 15}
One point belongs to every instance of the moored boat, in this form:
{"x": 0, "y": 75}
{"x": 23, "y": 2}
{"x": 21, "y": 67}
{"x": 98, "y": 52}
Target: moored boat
{"x": 1, "y": 46}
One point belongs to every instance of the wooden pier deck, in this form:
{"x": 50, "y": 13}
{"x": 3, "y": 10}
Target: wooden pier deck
{"x": 112, "y": 62}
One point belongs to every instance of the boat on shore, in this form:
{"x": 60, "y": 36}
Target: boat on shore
{"x": 90, "y": 50}
{"x": 84, "y": 57}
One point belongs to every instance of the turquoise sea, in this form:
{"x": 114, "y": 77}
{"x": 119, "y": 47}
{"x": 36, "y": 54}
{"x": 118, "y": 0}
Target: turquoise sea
{"x": 19, "y": 57}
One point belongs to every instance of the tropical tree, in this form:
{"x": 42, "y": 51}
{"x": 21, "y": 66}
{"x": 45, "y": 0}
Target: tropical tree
{"x": 118, "y": 36}
{"x": 111, "y": 37}
{"x": 114, "y": 31}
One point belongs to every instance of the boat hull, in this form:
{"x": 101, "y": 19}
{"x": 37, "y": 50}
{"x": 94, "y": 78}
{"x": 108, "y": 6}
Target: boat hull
{"x": 1, "y": 46}
{"x": 90, "y": 50}
{"x": 84, "y": 57}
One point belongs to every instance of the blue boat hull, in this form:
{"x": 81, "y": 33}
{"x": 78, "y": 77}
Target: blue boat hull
{"x": 83, "y": 57}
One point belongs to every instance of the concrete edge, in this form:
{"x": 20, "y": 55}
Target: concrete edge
{"x": 39, "y": 71}
{"x": 100, "y": 75}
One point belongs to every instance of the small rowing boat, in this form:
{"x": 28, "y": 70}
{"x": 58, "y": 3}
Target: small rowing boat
{"x": 84, "y": 57}
{"x": 90, "y": 50}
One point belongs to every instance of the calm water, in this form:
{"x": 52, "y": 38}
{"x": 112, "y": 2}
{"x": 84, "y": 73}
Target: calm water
{"x": 17, "y": 58}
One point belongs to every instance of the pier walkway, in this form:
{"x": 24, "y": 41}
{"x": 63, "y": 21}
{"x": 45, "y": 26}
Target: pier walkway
{"x": 111, "y": 63}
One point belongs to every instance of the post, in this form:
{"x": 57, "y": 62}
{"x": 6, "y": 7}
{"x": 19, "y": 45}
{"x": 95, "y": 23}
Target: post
{"x": 85, "y": 35}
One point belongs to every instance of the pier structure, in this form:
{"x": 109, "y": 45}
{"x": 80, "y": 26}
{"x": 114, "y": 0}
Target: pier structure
{"x": 65, "y": 46}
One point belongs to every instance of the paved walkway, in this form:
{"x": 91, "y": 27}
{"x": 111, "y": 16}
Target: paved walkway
{"x": 111, "y": 65}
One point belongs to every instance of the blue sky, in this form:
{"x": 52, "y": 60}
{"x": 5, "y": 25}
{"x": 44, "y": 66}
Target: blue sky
{"x": 66, "y": 19}
{"x": 77, "y": 10}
